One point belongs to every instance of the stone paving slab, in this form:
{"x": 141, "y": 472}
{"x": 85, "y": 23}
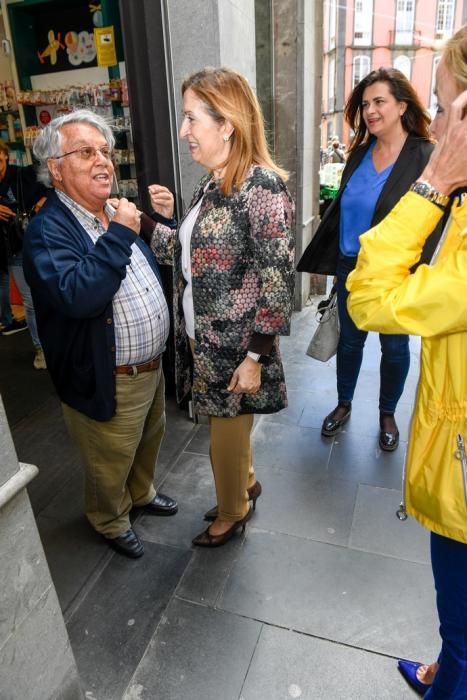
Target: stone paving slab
{"x": 74, "y": 553}
{"x": 197, "y": 653}
{"x": 42, "y": 439}
{"x": 359, "y": 458}
{"x": 207, "y": 573}
{"x": 365, "y": 600}
{"x": 376, "y": 528}
{"x": 199, "y": 442}
{"x": 313, "y": 506}
{"x": 24, "y": 389}
{"x": 191, "y": 484}
{"x": 112, "y": 627}
{"x": 288, "y": 665}
{"x": 293, "y": 448}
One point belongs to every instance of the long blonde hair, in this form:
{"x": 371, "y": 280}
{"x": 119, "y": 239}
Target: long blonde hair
{"x": 227, "y": 95}
{"x": 455, "y": 57}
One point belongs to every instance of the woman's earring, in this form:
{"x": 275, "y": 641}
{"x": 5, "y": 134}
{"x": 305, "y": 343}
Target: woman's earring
{"x": 226, "y": 137}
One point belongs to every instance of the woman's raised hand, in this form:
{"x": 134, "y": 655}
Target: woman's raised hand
{"x": 447, "y": 168}
{"x": 162, "y": 200}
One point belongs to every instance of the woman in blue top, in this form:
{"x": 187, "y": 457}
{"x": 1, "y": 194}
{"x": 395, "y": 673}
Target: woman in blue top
{"x": 389, "y": 150}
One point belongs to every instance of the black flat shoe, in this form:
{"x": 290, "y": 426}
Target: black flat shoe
{"x": 161, "y": 505}
{"x": 388, "y": 438}
{"x": 128, "y": 544}
{"x": 254, "y": 492}
{"x": 331, "y": 424}
{"x": 205, "y": 539}
{"x": 388, "y": 441}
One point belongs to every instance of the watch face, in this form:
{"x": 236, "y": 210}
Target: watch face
{"x": 423, "y": 189}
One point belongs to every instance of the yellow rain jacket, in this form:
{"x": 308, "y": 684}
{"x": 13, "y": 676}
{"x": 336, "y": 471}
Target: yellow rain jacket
{"x": 431, "y": 303}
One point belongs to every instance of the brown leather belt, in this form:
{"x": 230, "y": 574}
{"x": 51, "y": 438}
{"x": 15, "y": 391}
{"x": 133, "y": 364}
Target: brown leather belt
{"x": 134, "y": 370}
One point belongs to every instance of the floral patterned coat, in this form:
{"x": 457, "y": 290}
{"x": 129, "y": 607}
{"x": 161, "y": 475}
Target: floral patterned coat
{"x": 242, "y": 257}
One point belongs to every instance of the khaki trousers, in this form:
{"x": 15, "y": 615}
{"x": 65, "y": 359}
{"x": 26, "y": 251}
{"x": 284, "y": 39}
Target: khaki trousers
{"x": 120, "y": 454}
{"x": 231, "y": 461}
{"x": 232, "y": 465}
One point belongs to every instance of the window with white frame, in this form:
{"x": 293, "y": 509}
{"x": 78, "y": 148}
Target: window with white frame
{"x": 433, "y": 99}
{"x": 361, "y": 68}
{"x": 404, "y": 21}
{"x": 331, "y": 84}
{"x": 332, "y": 23}
{"x": 363, "y": 22}
{"x": 403, "y": 64}
{"x": 445, "y": 17}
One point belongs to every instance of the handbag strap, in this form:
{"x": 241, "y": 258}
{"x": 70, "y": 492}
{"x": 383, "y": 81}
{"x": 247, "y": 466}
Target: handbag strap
{"x": 442, "y": 238}
{"x": 329, "y": 310}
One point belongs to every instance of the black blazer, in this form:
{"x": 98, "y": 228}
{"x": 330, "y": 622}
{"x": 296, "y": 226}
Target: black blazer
{"x": 322, "y": 253}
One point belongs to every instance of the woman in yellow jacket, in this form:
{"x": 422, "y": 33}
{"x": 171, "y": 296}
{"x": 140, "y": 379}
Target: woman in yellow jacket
{"x": 432, "y": 303}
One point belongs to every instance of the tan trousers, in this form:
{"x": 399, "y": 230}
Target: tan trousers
{"x": 231, "y": 461}
{"x": 120, "y": 454}
{"x": 232, "y": 465}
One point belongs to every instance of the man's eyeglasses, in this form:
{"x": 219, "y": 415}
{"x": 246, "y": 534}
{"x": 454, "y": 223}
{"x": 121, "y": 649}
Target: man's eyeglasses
{"x": 88, "y": 153}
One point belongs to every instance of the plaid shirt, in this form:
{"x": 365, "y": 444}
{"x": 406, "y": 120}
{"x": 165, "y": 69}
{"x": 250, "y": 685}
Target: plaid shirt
{"x": 141, "y": 316}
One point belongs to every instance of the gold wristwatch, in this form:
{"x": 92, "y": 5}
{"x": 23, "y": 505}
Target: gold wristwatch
{"x": 427, "y": 191}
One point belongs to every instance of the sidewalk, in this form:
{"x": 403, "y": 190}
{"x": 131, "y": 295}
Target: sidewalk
{"x": 316, "y": 602}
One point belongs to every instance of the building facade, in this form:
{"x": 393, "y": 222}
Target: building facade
{"x": 362, "y": 35}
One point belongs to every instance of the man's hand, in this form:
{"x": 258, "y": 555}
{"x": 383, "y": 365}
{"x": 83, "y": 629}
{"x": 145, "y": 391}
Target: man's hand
{"x": 6, "y": 213}
{"x": 246, "y": 379}
{"x": 447, "y": 168}
{"x": 38, "y": 205}
{"x": 127, "y": 214}
{"x": 162, "y": 200}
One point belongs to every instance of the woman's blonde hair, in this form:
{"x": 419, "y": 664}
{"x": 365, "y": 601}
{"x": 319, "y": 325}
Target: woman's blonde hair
{"x": 455, "y": 57}
{"x": 227, "y": 96}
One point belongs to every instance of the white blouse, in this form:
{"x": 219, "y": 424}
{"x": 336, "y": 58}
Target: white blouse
{"x": 186, "y": 229}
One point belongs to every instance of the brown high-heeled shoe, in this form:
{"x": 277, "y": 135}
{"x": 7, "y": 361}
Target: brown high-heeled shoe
{"x": 205, "y": 539}
{"x": 254, "y": 492}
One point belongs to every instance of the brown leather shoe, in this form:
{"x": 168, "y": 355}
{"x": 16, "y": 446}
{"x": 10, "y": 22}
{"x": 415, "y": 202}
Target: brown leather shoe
{"x": 254, "y": 492}
{"x": 205, "y": 539}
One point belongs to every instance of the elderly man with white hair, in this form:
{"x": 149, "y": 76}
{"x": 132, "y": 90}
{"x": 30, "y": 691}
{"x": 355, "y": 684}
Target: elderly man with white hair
{"x": 103, "y": 322}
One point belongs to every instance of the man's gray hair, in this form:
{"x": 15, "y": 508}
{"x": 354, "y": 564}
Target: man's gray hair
{"x": 49, "y": 142}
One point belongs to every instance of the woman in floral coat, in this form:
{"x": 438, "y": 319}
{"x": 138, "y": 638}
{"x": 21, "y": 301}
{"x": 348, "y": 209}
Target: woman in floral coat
{"x": 233, "y": 282}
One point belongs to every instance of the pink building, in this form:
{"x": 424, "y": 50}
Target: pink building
{"x": 361, "y": 35}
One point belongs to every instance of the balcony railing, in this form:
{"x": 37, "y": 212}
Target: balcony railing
{"x": 405, "y": 37}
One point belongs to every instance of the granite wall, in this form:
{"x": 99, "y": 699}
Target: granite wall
{"x": 212, "y": 33}
{"x": 297, "y": 107}
{"x": 36, "y": 660}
